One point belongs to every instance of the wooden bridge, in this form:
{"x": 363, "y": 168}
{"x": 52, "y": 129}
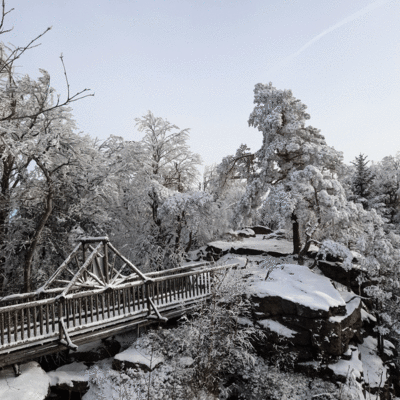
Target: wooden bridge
{"x": 94, "y": 294}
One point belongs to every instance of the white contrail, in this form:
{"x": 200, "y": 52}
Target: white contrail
{"x": 345, "y": 21}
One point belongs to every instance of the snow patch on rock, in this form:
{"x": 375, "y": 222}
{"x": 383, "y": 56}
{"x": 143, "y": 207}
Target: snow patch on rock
{"x": 276, "y": 327}
{"x": 297, "y": 284}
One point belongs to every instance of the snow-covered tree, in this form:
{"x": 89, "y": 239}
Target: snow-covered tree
{"x": 288, "y": 146}
{"x": 169, "y": 156}
{"x": 361, "y": 181}
{"x": 385, "y": 189}
{"x": 35, "y": 131}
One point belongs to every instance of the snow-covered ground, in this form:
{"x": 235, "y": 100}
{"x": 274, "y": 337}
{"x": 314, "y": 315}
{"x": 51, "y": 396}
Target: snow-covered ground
{"x": 32, "y": 384}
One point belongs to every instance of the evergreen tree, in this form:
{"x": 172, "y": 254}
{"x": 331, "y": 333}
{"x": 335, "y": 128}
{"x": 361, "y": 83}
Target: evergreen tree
{"x": 362, "y": 180}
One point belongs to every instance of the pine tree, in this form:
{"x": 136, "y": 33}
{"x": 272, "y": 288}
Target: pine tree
{"x": 362, "y": 180}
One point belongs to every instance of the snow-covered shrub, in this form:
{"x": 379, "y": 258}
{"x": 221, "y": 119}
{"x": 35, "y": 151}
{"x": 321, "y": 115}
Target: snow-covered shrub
{"x": 214, "y": 337}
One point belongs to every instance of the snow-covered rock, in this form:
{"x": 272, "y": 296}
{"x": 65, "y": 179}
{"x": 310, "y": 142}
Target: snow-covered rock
{"x": 295, "y": 289}
{"x": 32, "y": 384}
{"x": 72, "y": 377}
{"x": 304, "y": 309}
{"x": 252, "y": 246}
{"x": 246, "y": 233}
{"x": 135, "y": 357}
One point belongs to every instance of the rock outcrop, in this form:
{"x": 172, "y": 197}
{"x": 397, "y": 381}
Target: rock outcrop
{"x": 298, "y": 306}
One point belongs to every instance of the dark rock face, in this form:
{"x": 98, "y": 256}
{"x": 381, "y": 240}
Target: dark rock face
{"x": 319, "y": 331}
{"x": 335, "y": 271}
{"x": 95, "y": 352}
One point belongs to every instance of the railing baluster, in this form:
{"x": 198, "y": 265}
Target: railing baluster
{"x": 134, "y": 298}
{"x": 74, "y": 311}
{"x": 91, "y": 307}
{"x": 124, "y": 310}
{"x": 107, "y": 300}
{"x": 188, "y": 287}
{"x": 128, "y": 300}
{"x": 41, "y": 319}
{"x": 97, "y": 307}
{"x": 80, "y": 310}
{"x": 197, "y": 280}
{"x": 103, "y": 305}
{"x": 22, "y": 324}
{"x": 53, "y": 316}
{"x": 113, "y": 302}
{"x": 47, "y": 319}
{"x": 143, "y": 297}
{"x": 119, "y": 301}
{"x": 2, "y": 327}
{"x": 163, "y": 291}
{"x": 34, "y": 321}
{"x": 67, "y": 310}
{"x": 16, "y": 326}
{"x": 86, "y": 309}
{"x": 28, "y": 322}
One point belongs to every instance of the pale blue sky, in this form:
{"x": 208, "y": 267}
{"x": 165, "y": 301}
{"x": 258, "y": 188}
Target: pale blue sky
{"x": 196, "y": 64}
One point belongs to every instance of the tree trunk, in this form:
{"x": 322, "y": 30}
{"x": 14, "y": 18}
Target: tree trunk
{"x": 35, "y": 240}
{"x": 39, "y": 229}
{"x": 296, "y": 234}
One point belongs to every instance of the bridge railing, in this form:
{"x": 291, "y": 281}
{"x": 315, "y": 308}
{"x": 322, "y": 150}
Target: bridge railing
{"x": 39, "y": 320}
